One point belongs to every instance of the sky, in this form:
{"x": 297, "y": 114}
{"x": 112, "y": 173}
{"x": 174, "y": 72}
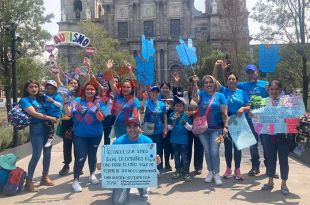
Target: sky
{"x": 53, "y": 6}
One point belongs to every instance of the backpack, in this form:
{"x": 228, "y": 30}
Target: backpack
{"x": 15, "y": 182}
{"x": 18, "y": 118}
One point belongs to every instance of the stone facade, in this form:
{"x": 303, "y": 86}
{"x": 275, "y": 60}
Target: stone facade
{"x": 165, "y": 21}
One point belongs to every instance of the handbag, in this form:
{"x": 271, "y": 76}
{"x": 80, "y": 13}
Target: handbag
{"x": 148, "y": 128}
{"x": 200, "y": 124}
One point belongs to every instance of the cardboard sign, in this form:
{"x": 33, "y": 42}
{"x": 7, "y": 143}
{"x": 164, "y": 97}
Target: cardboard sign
{"x": 129, "y": 166}
{"x": 49, "y": 48}
{"x": 83, "y": 71}
{"x": 240, "y": 132}
{"x": 90, "y": 51}
{"x": 279, "y": 119}
{"x": 186, "y": 53}
{"x": 71, "y": 37}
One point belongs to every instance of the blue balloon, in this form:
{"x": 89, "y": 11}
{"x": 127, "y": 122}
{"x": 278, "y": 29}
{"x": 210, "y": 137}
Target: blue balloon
{"x": 148, "y": 49}
{"x": 186, "y": 53}
{"x": 145, "y": 71}
{"x": 268, "y": 58}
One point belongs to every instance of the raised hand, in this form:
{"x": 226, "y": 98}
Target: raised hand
{"x": 110, "y": 64}
{"x": 128, "y": 65}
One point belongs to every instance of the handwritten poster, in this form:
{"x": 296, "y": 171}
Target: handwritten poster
{"x": 129, "y": 166}
{"x": 282, "y": 118}
{"x": 240, "y": 132}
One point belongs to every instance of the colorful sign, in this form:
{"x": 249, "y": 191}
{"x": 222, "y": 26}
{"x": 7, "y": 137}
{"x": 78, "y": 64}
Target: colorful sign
{"x": 129, "y": 166}
{"x": 90, "y": 51}
{"x": 240, "y": 132}
{"x": 49, "y": 48}
{"x": 71, "y": 37}
{"x": 282, "y": 118}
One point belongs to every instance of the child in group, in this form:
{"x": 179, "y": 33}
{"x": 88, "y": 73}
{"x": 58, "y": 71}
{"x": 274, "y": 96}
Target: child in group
{"x": 53, "y": 107}
{"x": 179, "y": 126}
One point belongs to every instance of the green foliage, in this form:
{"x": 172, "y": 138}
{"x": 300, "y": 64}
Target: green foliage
{"x": 106, "y": 47}
{"x": 6, "y": 133}
{"x": 29, "y": 68}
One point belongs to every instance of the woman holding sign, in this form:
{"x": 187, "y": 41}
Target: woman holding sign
{"x": 276, "y": 144}
{"x": 87, "y": 114}
{"x": 238, "y": 102}
{"x": 213, "y": 106}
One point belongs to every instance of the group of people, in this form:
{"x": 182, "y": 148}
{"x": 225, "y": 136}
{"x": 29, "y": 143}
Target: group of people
{"x": 164, "y": 116}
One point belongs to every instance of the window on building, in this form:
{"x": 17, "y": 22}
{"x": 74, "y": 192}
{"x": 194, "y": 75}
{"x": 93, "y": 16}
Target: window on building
{"x": 122, "y": 30}
{"x": 175, "y": 27}
{"x": 149, "y": 29}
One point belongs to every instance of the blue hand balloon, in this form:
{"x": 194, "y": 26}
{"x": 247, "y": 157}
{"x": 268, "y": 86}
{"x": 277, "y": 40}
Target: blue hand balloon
{"x": 145, "y": 71}
{"x": 268, "y": 58}
{"x": 148, "y": 49}
{"x": 186, "y": 53}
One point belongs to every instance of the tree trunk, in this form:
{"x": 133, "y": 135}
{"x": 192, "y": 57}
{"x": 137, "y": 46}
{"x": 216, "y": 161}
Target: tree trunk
{"x": 305, "y": 81}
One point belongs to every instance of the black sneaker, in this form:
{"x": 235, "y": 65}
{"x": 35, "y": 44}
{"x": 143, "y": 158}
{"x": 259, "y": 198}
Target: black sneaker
{"x": 198, "y": 171}
{"x": 64, "y": 171}
{"x": 187, "y": 178}
{"x": 176, "y": 175}
{"x": 253, "y": 172}
{"x": 168, "y": 168}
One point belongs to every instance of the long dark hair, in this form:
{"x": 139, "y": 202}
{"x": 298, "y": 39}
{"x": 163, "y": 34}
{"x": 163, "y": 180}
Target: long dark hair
{"x": 83, "y": 97}
{"x": 232, "y": 73}
{"x": 165, "y": 83}
{"x": 39, "y": 95}
{"x": 77, "y": 92}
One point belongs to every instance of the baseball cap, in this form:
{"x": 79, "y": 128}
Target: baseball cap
{"x": 178, "y": 99}
{"x": 155, "y": 88}
{"x": 52, "y": 83}
{"x": 132, "y": 121}
{"x": 250, "y": 67}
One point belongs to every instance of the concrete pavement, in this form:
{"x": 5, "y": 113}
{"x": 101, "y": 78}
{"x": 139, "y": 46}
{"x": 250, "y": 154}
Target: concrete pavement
{"x": 172, "y": 192}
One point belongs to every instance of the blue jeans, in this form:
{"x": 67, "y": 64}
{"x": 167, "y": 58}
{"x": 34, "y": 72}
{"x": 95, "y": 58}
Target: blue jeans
{"x": 254, "y": 149}
{"x": 158, "y": 139}
{"x": 211, "y": 149}
{"x": 228, "y": 152}
{"x": 38, "y": 138}
{"x": 120, "y": 196}
{"x": 198, "y": 151}
{"x": 85, "y": 147}
{"x": 277, "y": 145}
{"x": 181, "y": 157}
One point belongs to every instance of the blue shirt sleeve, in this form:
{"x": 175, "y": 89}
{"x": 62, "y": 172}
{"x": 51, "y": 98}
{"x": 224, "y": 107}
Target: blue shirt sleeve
{"x": 222, "y": 89}
{"x": 246, "y": 97}
{"x": 24, "y": 103}
{"x": 240, "y": 85}
{"x": 222, "y": 99}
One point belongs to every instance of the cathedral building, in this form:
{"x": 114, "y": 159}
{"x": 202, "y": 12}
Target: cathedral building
{"x": 163, "y": 20}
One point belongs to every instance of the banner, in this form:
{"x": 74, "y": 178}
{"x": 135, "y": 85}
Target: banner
{"x": 282, "y": 118}
{"x": 240, "y": 132}
{"x": 129, "y": 166}
{"x": 71, "y": 37}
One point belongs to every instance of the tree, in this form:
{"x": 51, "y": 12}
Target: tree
{"x": 106, "y": 47}
{"x": 27, "y": 16}
{"x": 235, "y": 16}
{"x": 284, "y": 21}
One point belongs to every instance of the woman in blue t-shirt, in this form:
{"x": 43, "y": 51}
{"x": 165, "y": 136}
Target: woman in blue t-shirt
{"x": 156, "y": 115}
{"x": 32, "y": 104}
{"x": 87, "y": 113}
{"x": 125, "y": 105}
{"x": 217, "y": 122}
{"x": 238, "y": 102}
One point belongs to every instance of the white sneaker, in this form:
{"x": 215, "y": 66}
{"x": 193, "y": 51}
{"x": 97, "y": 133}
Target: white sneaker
{"x": 49, "y": 142}
{"x": 93, "y": 179}
{"x": 218, "y": 180}
{"x": 209, "y": 178}
{"x": 76, "y": 186}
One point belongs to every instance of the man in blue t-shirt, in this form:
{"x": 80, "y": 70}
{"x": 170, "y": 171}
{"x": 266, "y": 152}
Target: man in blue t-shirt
{"x": 133, "y": 136}
{"x": 254, "y": 87}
